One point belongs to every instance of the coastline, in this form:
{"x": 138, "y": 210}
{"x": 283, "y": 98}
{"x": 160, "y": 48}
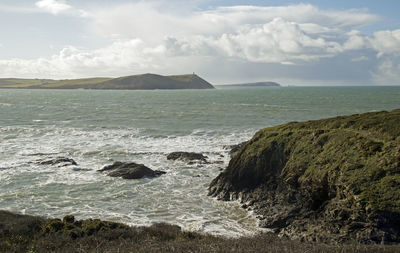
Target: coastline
{"x": 130, "y": 146}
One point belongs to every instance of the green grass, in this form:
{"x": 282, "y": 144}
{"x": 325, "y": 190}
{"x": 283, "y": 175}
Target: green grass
{"x": 21, "y": 233}
{"x": 144, "y": 81}
{"x": 361, "y": 152}
{"x": 48, "y": 83}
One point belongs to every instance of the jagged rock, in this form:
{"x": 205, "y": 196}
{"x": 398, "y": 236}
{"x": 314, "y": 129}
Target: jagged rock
{"x": 329, "y": 180}
{"x": 188, "y": 157}
{"x": 234, "y": 149}
{"x": 130, "y": 170}
{"x": 60, "y": 161}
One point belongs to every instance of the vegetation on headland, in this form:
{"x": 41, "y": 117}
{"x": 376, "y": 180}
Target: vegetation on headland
{"x": 257, "y": 84}
{"x": 329, "y": 180}
{"x": 134, "y": 82}
{"x": 22, "y": 233}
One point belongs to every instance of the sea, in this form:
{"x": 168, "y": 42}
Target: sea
{"x": 99, "y": 127}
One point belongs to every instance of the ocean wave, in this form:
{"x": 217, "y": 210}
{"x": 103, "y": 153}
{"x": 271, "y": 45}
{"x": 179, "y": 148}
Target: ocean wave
{"x": 178, "y": 197}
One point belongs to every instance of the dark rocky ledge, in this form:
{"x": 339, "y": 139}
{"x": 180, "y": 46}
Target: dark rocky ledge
{"x": 330, "y": 180}
{"x": 130, "y": 171}
{"x": 187, "y": 157}
{"x": 59, "y": 161}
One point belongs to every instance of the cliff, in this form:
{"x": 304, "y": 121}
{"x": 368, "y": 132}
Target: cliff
{"x": 328, "y": 180}
{"x": 134, "y": 82}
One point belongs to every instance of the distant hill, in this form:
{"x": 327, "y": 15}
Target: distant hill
{"x": 258, "y": 84}
{"x": 134, "y": 82}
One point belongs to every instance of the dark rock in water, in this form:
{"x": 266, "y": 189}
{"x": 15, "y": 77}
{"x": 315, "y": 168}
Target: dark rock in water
{"x": 130, "y": 171}
{"x": 234, "y": 149}
{"x": 61, "y": 161}
{"x": 42, "y": 154}
{"x": 330, "y": 180}
{"x": 187, "y": 157}
{"x": 80, "y": 169}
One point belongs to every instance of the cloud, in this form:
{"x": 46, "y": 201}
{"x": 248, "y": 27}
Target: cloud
{"x": 119, "y": 58}
{"x": 150, "y": 21}
{"x": 278, "y": 41}
{"x": 359, "y": 59}
{"x": 284, "y": 34}
{"x": 53, "y": 6}
{"x": 300, "y": 13}
{"x": 288, "y": 40}
{"x": 56, "y": 7}
{"x": 386, "y": 42}
{"x": 387, "y": 72}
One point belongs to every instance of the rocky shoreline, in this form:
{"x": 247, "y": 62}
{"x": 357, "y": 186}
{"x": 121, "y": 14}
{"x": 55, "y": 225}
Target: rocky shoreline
{"x": 325, "y": 185}
{"x": 330, "y": 180}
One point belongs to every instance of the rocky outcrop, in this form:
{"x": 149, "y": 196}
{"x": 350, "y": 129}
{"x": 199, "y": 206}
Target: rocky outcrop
{"x": 234, "y": 149}
{"x": 187, "y": 157}
{"x": 59, "y": 161}
{"x": 79, "y": 228}
{"x": 130, "y": 171}
{"x": 331, "y": 180}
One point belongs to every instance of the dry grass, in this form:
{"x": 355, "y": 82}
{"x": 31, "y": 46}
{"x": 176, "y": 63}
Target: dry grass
{"x": 21, "y": 233}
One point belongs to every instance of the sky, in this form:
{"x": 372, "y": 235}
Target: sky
{"x": 311, "y": 42}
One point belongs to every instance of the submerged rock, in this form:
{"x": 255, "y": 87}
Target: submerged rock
{"x": 80, "y": 169}
{"x": 188, "y": 157}
{"x": 130, "y": 170}
{"x": 61, "y": 161}
{"x": 332, "y": 180}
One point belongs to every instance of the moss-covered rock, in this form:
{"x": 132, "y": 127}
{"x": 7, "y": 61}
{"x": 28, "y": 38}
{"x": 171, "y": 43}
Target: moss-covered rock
{"x": 74, "y": 229}
{"x": 328, "y": 180}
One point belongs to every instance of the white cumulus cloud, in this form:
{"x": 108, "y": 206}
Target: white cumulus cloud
{"x": 147, "y": 37}
{"x": 56, "y": 7}
{"x": 386, "y": 42}
{"x": 53, "y": 6}
{"x": 387, "y": 73}
{"x": 119, "y": 58}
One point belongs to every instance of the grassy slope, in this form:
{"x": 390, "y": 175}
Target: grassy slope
{"x": 360, "y": 152}
{"x": 48, "y": 83}
{"x": 331, "y": 180}
{"x": 145, "y": 81}
{"x": 22, "y": 233}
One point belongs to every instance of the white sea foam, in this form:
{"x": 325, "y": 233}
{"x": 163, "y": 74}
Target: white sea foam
{"x": 178, "y": 197}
